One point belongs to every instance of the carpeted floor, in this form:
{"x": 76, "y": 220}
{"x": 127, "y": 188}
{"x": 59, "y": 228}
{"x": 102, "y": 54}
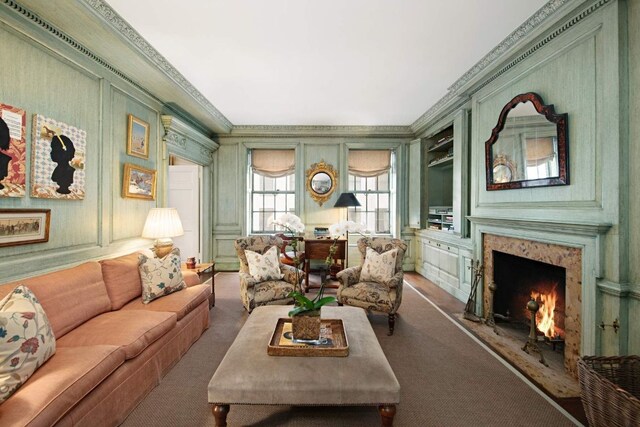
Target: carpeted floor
{"x": 446, "y": 377}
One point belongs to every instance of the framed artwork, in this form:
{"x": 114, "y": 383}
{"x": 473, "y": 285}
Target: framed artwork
{"x": 138, "y": 182}
{"x": 13, "y": 151}
{"x": 58, "y": 160}
{"x": 137, "y": 137}
{"x": 24, "y": 226}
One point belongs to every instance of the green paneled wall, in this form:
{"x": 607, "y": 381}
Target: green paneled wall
{"x": 42, "y": 75}
{"x": 230, "y": 164}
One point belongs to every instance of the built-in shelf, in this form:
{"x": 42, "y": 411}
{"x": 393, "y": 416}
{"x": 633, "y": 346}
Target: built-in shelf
{"x": 441, "y": 161}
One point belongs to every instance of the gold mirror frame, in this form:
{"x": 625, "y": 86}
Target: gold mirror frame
{"x": 321, "y": 167}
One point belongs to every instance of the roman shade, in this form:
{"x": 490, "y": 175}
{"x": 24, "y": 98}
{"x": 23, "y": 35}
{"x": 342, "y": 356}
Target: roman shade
{"x": 539, "y": 149}
{"x": 369, "y": 163}
{"x": 273, "y": 163}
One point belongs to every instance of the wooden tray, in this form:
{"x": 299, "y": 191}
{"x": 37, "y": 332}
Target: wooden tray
{"x": 332, "y": 329}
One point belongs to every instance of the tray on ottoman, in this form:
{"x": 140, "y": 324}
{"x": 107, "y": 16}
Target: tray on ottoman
{"x": 332, "y": 342}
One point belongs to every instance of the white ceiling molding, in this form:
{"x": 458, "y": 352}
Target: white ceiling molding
{"x": 323, "y": 131}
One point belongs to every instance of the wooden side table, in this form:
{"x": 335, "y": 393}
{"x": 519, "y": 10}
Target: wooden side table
{"x": 206, "y": 271}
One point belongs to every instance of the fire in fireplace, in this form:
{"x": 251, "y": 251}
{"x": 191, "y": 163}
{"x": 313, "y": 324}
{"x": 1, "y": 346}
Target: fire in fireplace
{"x": 518, "y": 281}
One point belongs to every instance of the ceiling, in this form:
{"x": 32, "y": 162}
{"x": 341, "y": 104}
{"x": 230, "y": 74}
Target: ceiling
{"x": 331, "y": 62}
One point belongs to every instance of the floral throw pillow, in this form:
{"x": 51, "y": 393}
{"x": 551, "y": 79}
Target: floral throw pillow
{"x": 26, "y": 339}
{"x": 378, "y": 267}
{"x": 160, "y": 276}
{"x": 264, "y": 267}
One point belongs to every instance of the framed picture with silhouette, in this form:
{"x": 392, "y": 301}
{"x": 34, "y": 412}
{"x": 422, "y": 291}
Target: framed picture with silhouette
{"x": 138, "y": 182}
{"x": 13, "y": 151}
{"x": 57, "y": 160}
{"x": 137, "y": 137}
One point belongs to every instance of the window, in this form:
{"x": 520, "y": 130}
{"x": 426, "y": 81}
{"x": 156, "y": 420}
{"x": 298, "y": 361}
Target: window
{"x": 371, "y": 179}
{"x": 271, "y": 187}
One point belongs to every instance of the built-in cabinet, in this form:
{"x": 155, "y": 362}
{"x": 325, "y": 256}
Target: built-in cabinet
{"x": 446, "y": 262}
{"x": 443, "y": 253}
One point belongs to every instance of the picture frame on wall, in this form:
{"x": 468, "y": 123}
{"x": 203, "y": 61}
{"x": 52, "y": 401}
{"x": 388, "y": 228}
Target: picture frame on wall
{"x": 138, "y": 182}
{"x": 13, "y": 151}
{"x": 137, "y": 137}
{"x": 58, "y": 159}
{"x": 24, "y": 226}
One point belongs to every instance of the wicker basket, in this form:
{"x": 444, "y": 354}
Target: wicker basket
{"x": 610, "y": 389}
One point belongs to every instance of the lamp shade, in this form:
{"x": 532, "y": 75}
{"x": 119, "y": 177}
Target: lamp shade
{"x": 346, "y": 200}
{"x": 162, "y": 223}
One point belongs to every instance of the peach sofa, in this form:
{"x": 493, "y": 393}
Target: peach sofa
{"x": 111, "y": 349}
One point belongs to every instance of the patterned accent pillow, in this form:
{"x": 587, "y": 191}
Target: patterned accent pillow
{"x": 264, "y": 267}
{"x": 160, "y": 276}
{"x": 378, "y": 267}
{"x": 26, "y": 339}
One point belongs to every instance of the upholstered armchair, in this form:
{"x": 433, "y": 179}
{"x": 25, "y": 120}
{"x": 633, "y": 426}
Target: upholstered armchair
{"x": 253, "y": 292}
{"x": 375, "y": 290}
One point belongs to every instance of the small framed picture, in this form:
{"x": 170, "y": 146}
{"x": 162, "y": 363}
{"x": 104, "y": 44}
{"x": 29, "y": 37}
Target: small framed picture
{"x": 138, "y": 182}
{"x": 137, "y": 137}
{"x": 24, "y": 226}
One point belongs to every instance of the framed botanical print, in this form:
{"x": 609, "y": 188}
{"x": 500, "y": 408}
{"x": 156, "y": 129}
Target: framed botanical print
{"x": 137, "y": 137}
{"x": 138, "y": 182}
{"x": 24, "y": 226}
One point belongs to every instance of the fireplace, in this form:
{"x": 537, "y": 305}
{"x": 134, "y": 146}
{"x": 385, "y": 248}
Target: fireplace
{"x": 551, "y": 274}
{"x": 519, "y": 280}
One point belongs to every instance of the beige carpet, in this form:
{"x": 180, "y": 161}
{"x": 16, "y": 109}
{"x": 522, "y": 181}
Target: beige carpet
{"x": 446, "y": 378}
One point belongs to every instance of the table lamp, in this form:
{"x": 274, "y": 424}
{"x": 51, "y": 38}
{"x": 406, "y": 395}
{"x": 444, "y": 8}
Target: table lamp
{"x": 347, "y": 200}
{"x": 162, "y": 224}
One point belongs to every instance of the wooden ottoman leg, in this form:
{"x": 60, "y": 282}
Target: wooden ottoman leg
{"x": 387, "y": 412}
{"x": 220, "y": 414}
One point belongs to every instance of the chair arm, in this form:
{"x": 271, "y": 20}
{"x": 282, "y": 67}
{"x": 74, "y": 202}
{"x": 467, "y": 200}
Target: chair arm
{"x": 290, "y": 274}
{"x": 349, "y": 276}
{"x": 247, "y": 280}
{"x": 395, "y": 281}
{"x": 190, "y": 277}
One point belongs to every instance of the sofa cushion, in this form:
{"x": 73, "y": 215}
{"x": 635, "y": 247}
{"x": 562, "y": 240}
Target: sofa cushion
{"x": 180, "y": 303}
{"x": 122, "y": 279}
{"x": 26, "y": 339}
{"x": 60, "y": 384}
{"x": 132, "y": 330}
{"x": 263, "y": 267}
{"x": 70, "y": 297}
{"x": 160, "y": 276}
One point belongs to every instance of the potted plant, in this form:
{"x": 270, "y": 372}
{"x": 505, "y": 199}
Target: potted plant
{"x": 305, "y": 316}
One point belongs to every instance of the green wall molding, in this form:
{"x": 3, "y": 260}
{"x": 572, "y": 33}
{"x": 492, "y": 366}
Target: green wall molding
{"x": 70, "y": 41}
{"x": 188, "y": 141}
{"x": 482, "y": 73}
{"x": 115, "y": 21}
{"x": 272, "y": 131}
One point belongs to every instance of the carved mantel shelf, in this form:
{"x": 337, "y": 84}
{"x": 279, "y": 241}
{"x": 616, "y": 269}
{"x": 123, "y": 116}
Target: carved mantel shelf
{"x": 574, "y": 228}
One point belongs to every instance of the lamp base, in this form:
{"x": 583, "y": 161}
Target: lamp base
{"x": 162, "y": 247}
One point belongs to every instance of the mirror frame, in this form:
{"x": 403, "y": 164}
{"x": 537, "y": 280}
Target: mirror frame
{"x": 321, "y": 167}
{"x": 563, "y": 147}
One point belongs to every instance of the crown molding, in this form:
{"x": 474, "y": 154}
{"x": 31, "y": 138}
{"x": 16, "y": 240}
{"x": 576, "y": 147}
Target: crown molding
{"x": 480, "y": 74}
{"x": 322, "y": 131}
{"x": 111, "y": 17}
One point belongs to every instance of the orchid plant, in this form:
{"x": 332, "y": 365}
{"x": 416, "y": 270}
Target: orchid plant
{"x": 294, "y": 226}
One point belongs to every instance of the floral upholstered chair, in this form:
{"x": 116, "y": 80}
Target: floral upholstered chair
{"x": 376, "y": 285}
{"x": 260, "y": 289}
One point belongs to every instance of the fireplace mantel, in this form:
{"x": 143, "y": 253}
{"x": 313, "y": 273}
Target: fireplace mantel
{"x": 573, "y": 228}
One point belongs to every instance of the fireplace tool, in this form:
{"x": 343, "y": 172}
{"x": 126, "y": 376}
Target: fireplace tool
{"x": 532, "y": 344}
{"x": 489, "y": 319}
{"x": 470, "y": 307}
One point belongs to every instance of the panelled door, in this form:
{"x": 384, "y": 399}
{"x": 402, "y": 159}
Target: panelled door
{"x": 184, "y": 195}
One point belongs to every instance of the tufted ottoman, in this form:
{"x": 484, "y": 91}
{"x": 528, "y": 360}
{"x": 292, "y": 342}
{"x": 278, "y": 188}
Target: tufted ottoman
{"x": 248, "y": 375}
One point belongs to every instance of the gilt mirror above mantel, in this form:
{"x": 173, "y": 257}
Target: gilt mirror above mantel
{"x": 528, "y": 146}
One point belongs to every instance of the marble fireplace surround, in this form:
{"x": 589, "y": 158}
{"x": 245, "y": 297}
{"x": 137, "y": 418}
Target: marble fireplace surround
{"x": 577, "y": 247}
{"x": 569, "y": 258}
